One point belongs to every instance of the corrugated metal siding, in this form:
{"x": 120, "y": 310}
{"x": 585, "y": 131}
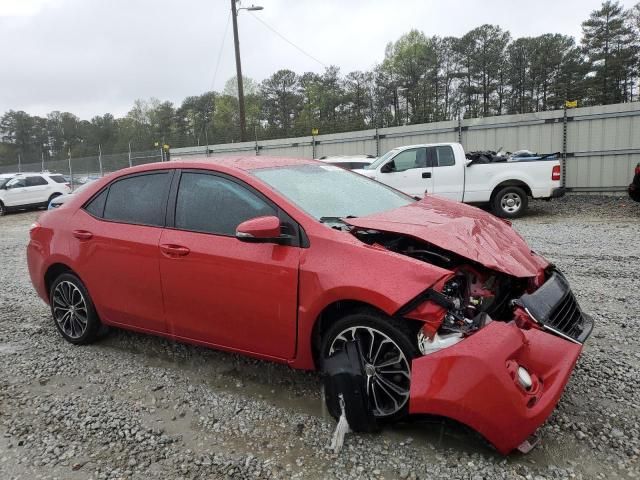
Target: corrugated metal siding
{"x": 603, "y": 143}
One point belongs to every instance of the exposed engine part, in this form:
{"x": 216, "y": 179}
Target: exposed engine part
{"x": 428, "y": 345}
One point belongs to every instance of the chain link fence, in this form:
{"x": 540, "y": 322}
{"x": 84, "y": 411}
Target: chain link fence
{"x": 83, "y": 169}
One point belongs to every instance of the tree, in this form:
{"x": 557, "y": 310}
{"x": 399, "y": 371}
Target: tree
{"x": 281, "y": 100}
{"x": 608, "y": 46}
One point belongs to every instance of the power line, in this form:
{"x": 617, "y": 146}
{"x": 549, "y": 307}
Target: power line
{"x": 224, "y": 37}
{"x": 288, "y": 41}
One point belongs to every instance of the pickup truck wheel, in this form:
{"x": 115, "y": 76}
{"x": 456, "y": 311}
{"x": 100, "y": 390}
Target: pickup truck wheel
{"x": 510, "y": 202}
{"x": 2, "y": 209}
{"x": 388, "y": 347}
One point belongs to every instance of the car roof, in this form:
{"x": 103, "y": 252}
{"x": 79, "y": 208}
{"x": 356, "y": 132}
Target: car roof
{"x": 437, "y": 144}
{"x": 227, "y": 163}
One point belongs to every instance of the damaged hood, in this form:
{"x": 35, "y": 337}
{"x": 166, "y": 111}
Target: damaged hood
{"x": 461, "y": 229}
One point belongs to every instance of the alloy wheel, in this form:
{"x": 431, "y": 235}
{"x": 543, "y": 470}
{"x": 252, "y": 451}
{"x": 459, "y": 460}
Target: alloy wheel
{"x": 70, "y": 309}
{"x": 387, "y": 371}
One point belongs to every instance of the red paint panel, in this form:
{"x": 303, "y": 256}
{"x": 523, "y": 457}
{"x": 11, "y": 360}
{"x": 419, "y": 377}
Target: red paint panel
{"x": 471, "y": 383}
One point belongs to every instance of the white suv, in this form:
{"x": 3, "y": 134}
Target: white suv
{"x": 30, "y": 190}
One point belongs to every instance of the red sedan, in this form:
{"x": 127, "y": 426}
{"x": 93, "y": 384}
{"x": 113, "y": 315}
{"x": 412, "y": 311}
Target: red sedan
{"x": 287, "y": 260}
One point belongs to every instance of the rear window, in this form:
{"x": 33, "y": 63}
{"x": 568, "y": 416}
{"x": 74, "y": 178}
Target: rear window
{"x": 57, "y": 178}
{"x": 141, "y": 199}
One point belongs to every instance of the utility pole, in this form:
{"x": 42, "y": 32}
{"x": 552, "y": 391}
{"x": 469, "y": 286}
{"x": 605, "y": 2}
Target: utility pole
{"x": 236, "y": 43}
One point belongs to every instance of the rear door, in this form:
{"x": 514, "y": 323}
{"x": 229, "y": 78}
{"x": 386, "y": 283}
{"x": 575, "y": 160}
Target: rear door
{"x": 448, "y": 177}
{"x": 37, "y": 189}
{"x": 408, "y": 172}
{"x": 115, "y": 240}
{"x": 217, "y": 289}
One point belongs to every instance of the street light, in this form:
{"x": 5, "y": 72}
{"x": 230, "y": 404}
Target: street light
{"x": 234, "y": 11}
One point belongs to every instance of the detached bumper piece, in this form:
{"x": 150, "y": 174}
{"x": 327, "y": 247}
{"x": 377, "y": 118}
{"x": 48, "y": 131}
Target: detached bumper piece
{"x": 558, "y": 192}
{"x": 555, "y": 308}
{"x": 476, "y": 382}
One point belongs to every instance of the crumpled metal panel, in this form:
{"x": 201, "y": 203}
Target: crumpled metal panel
{"x": 461, "y": 229}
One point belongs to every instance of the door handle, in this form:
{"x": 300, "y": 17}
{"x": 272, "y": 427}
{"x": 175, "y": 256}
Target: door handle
{"x": 82, "y": 234}
{"x": 174, "y": 250}
{"x": 426, "y": 174}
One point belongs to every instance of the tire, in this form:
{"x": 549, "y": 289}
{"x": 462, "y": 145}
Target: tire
{"x": 510, "y": 202}
{"x": 372, "y": 327}
{"x": 3, "y": 209}
{"x": 53, "y": 195}
{"x": 73, "y": 311}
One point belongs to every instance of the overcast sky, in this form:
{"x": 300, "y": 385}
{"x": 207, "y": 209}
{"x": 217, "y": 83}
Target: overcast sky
{"x": 95, "y": 56}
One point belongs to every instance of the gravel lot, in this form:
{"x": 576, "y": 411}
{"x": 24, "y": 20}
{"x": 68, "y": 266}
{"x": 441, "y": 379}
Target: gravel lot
{"x": 134, "y": 406}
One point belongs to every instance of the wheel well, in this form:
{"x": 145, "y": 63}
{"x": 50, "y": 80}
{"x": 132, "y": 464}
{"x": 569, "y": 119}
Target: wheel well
{"x": 511, "y": 183}
{"x": 53, "y": 272}
{"x": 336, "y": 311}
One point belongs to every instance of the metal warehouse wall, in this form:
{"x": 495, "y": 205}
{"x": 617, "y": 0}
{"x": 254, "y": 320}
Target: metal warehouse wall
{"x": 601, "y": 144}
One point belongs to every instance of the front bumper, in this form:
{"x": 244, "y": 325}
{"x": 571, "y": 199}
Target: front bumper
{"x": 472, "y": 382}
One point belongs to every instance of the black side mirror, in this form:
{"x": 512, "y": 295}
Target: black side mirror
{"x": 387, "y": 168}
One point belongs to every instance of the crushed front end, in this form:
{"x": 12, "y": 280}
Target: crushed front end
{"x": 502, "y": 376}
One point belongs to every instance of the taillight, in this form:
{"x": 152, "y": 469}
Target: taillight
{"x": 555, "y": 173}
{"x": 638, "y": 169}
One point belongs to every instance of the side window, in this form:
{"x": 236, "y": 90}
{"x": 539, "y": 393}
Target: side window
{"x": 17, "y": 183}
{"x": 96, "y": 206}
{"x": 141, "y": 199}
{"x": 58, "y": 178}
{"x": 445, "y": 156}
{"x": 407, "y": 159}
{"x": 36, "y": 181}
{"x": 212, "y": 204}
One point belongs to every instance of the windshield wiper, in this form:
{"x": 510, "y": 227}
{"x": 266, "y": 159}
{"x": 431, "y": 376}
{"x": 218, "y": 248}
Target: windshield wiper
{"x": 335, "y": 219}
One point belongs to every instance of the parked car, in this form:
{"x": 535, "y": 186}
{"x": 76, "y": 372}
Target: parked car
{"x": 441, "y": 169}
{"x": 634, "y": 187}
{"x": 287, "y": 260}
{"x": 62, "y": 199}
{"x": 30, "y": 190}
{"x": 350, "y": 162}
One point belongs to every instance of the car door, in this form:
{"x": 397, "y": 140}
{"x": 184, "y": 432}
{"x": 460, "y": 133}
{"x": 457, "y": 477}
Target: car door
{"x": 408, "y": 172}
{"x": 448, "y": 178}
{"x": 37, "y": 189}
{"x": 16, "y": 192}
{"x": 115, "y": 241}
{"x": 217, "y": 289}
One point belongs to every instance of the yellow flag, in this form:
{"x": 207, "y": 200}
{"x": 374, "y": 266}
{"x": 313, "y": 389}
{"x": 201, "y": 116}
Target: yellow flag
{"x": 314, "y": 131}
{"x": 165, "y": 146}
{"x": 571, "y": 104}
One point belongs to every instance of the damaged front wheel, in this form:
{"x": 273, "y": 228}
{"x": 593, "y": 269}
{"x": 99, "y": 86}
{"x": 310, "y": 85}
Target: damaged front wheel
{"x": 387, "y": 350}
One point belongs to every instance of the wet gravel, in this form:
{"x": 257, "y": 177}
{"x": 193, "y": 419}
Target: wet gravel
{"x": 135, "y": 406}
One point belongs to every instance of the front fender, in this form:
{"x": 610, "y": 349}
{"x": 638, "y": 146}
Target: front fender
{"x": 331, "y": 271}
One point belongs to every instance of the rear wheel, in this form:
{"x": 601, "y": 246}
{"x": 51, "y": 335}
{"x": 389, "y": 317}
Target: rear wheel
{"x": 387, "y": 347}
{"x": 510, "y": 202}
{"x": 73, "y": 311}
{"x": 3, "y": 210}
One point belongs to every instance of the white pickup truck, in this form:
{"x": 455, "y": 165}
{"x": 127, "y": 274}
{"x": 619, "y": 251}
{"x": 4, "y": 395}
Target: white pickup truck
{"x": 442, "y": 169}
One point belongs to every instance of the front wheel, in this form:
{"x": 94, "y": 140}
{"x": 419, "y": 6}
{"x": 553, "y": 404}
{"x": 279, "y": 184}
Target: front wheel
{"x": 387, "y": 347}
{"x": 73, "y": 311}
{"x": 510, "y": 202}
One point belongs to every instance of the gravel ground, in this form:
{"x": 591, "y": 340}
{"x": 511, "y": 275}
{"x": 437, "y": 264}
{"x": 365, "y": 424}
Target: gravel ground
{"x": 134, "y": 406}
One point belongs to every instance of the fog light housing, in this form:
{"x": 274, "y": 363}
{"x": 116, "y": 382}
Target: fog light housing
{"x": 524, "y": 379}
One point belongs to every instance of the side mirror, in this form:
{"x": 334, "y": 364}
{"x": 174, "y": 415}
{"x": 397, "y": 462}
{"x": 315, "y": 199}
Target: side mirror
{"x": 387, "y": 168}
{"x": 468, "y": 163}
{"x": 261, "y": 230}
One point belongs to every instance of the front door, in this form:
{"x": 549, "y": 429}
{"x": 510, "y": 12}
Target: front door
{"x": 217, "y": 289}
{"x": 408, "y": 172}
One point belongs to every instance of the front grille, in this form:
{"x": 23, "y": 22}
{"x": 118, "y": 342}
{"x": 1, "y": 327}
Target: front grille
{"x": 556, "y": 309}
{"x": 567, "y": 317}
